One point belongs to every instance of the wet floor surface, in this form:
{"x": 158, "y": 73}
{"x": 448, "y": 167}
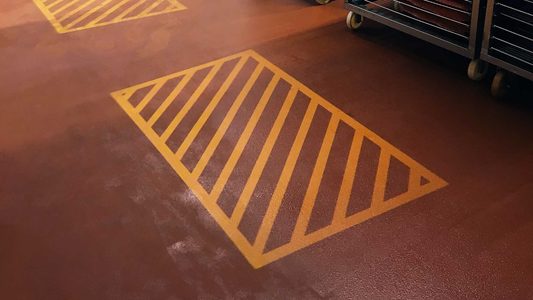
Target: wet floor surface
{"x": 94, "y": 204}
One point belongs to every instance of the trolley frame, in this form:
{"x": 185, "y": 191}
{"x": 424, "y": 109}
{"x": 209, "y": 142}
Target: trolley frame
{"x": 486, "y": 46}
{"x": 471, "y": 50}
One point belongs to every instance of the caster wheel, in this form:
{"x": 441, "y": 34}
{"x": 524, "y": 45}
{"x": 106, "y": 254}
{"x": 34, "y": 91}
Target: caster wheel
{"x": 322, "y": 2}
{"x": 477, "y": 69}
{"x": 499, "y": 84}
{"x": 354, "y": 21}
{"x": 397, "y": 6}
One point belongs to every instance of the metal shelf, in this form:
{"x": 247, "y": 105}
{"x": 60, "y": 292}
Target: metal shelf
{"x": 508, "y": 36}
{"x": 388, "y": 13}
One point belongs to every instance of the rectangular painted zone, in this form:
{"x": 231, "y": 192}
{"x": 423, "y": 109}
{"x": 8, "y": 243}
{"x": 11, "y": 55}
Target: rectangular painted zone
{"x": 176, "y": 113}
{"x": 73, "y": 15}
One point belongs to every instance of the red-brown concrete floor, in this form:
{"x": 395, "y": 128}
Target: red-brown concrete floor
{"x": 89, "y": 209}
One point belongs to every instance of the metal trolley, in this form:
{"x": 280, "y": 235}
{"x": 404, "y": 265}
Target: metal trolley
{"x": 451, "y": 24}
{"x": 508, "y": 41}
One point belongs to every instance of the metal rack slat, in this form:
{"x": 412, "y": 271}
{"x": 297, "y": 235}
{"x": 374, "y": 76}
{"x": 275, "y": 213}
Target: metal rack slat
{"x": 515, "y": 9}
{"x": 516, "y": 19}
{"x": 512, "y": 32}
{"x": 513, "y": 44}
{"x": 417, "y": 20}
{"x": 449, "y": 7}
{"x": 432, "y": 13}
{"x": 512, "y": 56}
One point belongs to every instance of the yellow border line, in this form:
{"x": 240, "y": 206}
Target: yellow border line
{"x": 49, "y": 16}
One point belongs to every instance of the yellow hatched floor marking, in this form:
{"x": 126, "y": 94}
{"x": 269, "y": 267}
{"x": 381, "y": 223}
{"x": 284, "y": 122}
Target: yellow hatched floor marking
{"x": 225, "y": 123}
{"x": 53, "y": 4}
{"x": 145, "y": 12}
{"x": 106, "y": 13}
{"x": 347, "y": 180}
{"x": 99, "y": 10}
{"x": 74, "y": 11}
{"x": 64, "y": 7}
{"x": 316, "y": 178}
{"x": 177, "y": 120}
{"x": 255, "y": 252}
{"x": 175, "y": 3}
{"x": 169, "y": 99}
{"x": 129, "y": 10}
{"x": 207, "y": 112}
{"x": 149, "y": 96}
{"x": 378, "y": 196}
{"x": 243, "y": 140}
{"x": 260, "y": 164}
{"x": 281, "y": 187}
{"x": 86, "y": 15}
{"x": 168, "y": 9}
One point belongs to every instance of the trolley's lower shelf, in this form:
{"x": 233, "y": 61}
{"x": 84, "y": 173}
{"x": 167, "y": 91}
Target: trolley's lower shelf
{"x": 402, "y": 16}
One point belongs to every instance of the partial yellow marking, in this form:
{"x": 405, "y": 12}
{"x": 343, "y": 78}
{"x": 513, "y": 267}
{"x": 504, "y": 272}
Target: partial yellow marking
{"x": 100, "y": 12}
{"x": 65, "y": 7}
{"x": 209, "y": 109}
{"x": 74, "y": 11}
{"x": 169, "y": 8}
{"x": 316, "y": 179}
{"x": 414, "y": 179}
{"x": 260, "y": 164}
{"x": 348, "y": 178}
{"x": 49, "y": 16}
{"x": 255, "y": 253}
{"x": 175, "y": 122}
{"x": 129, "y": 10}
{"x": 286, "y": 174}
{"x": 53, "y": 4}
{"x": 381, "y": 179}
{"x": 346, "y": 223}
{"x": 107, "y": 13}
{"x": 225, "y": 123}
{"x": 87, "y": 14}
{"x": 175, "y": 3}
{"x": 170, "y": 98}
{"x": 145, "y": 12}
{"x": 243, "y": 140}
{"x": 215, "y": 211}
{"x": 124, "y": 95}
{"x": 149, "y": 96}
